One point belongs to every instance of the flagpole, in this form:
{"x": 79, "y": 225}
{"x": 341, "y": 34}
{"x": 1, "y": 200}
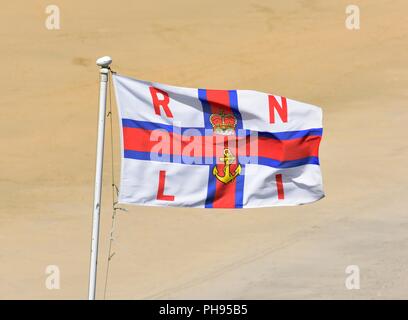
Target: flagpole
{"x": 103, "y": 63}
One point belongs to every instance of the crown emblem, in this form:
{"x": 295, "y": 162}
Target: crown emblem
{"x": 223, "y": 123}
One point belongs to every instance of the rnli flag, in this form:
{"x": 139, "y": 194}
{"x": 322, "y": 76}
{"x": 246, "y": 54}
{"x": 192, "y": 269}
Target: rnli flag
{"x": 204, "y": 148}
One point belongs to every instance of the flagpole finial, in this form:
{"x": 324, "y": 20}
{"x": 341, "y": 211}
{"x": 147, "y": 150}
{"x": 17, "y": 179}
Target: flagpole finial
{"x": 104, "y": 62}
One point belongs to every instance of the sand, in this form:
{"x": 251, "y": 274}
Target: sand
{"x": 299, "y": 49}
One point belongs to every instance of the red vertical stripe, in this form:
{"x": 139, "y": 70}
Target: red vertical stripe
{"x": 219, "y": 100}
{"x": 224, "y": 193}
{"x": 279, "y": 186}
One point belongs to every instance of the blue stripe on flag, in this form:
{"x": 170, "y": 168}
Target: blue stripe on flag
{"x": 170, "y": 158}
{"x": 210, "y": 188}
{"x": 202, "y": 96}
{"x": 287, "y": 164}
{"x": 146, "y": 125}
{"x": 233, "y": 97}
{"x": 239, "y": 186}
{"x": 288, "y": 135}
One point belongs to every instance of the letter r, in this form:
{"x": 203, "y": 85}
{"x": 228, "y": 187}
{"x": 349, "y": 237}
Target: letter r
{"x": 164, "y": 102}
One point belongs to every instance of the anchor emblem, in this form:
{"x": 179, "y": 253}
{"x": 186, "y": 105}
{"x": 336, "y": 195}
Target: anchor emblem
{"x": 228, "y": 175}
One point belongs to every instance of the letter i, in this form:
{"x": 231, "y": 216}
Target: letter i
{"x": 279, "y": 186}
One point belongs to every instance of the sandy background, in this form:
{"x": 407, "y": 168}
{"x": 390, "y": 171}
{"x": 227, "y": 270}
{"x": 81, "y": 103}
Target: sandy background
{"x": 300, "y": 49}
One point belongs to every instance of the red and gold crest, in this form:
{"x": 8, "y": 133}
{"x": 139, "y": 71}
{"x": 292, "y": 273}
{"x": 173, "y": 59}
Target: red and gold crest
{"x": 223, "y": 123}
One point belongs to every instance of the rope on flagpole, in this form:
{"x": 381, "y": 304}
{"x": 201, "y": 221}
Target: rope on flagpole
{"x": 115, "y": 191}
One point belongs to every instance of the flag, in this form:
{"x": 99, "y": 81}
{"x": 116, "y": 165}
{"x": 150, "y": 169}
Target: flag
{"x": 203, "y": 148}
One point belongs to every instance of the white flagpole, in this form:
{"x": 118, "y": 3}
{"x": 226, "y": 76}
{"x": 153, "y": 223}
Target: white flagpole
{"x": 103, "y": 63}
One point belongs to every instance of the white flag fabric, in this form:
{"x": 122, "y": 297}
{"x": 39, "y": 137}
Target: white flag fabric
{"x": 205, "y": 148}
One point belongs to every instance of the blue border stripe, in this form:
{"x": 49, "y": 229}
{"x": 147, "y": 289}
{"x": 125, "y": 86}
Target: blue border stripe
{"x": 202, "y": 96}
{"x": 146, "y": 125}
{"x": 129, "y": 123}
{"x": 233, "y": 98}
{"x": 209, "y": 200}
{"x": 288, "y": 135}
{"x": 239, "y": 188}
{"x": 170, "y": 158}
{"x": 239, "y": 180}
{"x": 140, "y": 155}
{"x": 287, "y": 164}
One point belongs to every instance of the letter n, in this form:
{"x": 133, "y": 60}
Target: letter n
{"x": 163, "y": 102}
{"x": 160, "y": 190}
{"x": 281, "y": 109}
